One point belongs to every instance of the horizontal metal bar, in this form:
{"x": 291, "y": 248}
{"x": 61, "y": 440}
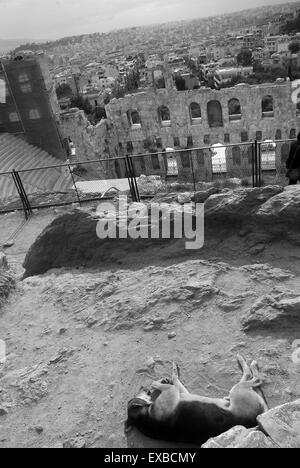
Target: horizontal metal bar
{"x": 123, "y": 158}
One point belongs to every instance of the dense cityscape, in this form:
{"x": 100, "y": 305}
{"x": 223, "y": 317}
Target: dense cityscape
{"x": 252, "y": 46}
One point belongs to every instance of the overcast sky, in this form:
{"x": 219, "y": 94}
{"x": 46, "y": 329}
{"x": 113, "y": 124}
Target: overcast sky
{"x": 51, "y": 19}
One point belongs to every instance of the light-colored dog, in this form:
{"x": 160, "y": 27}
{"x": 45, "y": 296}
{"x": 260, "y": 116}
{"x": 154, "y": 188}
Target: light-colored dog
{"x": 170, "y": 412}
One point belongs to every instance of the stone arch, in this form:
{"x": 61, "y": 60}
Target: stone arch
{"x": 164, "y": 115}
{"x": 200, "y": 157}
{"x": 155, "y": 161}
{"x": 214, "y": 114}
{"x": 133, "y": 117}
{"x": 250, "y": 155}
{"x": 267, "y": 106}
{"x": 234, "y": 109}
{"x": 298, "y": 104}
{"x": 195, "y": 112}
{"x": 185, "y": 159}
{"x": 236, "y": 156}
{"x": 285, "y": 149}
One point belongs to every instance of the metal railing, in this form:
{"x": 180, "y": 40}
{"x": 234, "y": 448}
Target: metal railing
{"x": 253, "y": 163}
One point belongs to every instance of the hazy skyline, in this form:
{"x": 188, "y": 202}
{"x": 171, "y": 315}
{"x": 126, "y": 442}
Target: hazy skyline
{"x": 53, "y": 19}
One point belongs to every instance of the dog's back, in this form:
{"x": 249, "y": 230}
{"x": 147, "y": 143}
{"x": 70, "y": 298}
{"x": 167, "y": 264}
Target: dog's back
{"x": 192, "y": 422}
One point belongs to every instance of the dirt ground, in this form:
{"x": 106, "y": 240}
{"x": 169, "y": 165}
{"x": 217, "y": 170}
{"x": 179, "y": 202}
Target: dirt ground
{"x": 80, "y": 343}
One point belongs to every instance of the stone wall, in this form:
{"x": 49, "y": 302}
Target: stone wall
{"x": 182, "y": 126}
{"x": 91, "y": 142}
{"x": 119, "y": 135}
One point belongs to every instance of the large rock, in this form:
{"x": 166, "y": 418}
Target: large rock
{"x": 272, "y": 310}
{"x": 229, "y": 439}
{"x": 71, "y": 240}
{"x": 282, "y": 424}
{"x": 239, "y": 204}
{"x": 149, "y": 185}
{"x": 202, "y": 195}
{"x": 240, "y": 437}
{"x": 256, "y": 439}
{"x": 283, "y": 207}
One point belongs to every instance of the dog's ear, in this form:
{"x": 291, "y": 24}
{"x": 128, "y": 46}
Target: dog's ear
{"x": 136, "y": 402}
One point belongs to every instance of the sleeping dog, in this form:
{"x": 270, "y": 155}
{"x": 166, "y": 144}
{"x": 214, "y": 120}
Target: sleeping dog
{"x": 170, "y": 412}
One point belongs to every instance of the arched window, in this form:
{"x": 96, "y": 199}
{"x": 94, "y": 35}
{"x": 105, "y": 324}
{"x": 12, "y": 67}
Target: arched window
{"x": 129, "y": 147}
{"x": 164, "y": 116}
{"x": 215, "y": 114}
{"x": 258, "y": 135}
{"x": 278, "y": 135}
{"x": 200, "y": 157}
{"x": 267, "y": 106}
{"x": 155, "y": 161}
{"x": 250, "y": 155}
{"x": 234, "y": 109}
{"x": 134, "y": 118}
{"x": 236, "y": 156}
{"x": 185, "y": 159}
{"x": 285, "y": 150}
{"x": 292, "y": 133}
{"x": 195, "y": 113}
{"x": 244, "y": 136}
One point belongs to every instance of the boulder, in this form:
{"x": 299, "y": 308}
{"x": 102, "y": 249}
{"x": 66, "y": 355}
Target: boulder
{"x": 282, "y": 424}
{"x": 229, "y": 439}
{"x": 240, "y": 437}
{"x": 271, "y": 310}
{"x": 183, "y": 198}
{"x": 283, "y": 207}
{"x": 148, "y": 185}
{"x": 202, "y": 195}
{"x": 71, "y": 240}
{"x": 256, "y": 439}
{"x": 240, "y": 203}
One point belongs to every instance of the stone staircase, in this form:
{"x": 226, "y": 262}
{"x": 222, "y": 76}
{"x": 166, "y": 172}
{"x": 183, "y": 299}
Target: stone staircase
{"x": 15, "y": 153}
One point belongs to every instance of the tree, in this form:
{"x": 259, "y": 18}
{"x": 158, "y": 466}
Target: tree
{"x": 63, "y": 90}
{"x": 244, "y": 57}
{"x": 294, "y": 47}
{"x": 291, "y": 27}
{"x": 82, "y": 103}
{"x": 132, "y": 81}
{"x": 180, "y": 83}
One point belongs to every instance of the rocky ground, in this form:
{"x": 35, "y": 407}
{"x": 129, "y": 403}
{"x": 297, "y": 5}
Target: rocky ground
{"x": 82, "y": 339}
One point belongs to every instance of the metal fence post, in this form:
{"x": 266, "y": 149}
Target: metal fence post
{"x": 259, "y": 164}
{"x": 193, "y": 171}
{"x": 74, "y": 183}
{"x": 22, "y": 194}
